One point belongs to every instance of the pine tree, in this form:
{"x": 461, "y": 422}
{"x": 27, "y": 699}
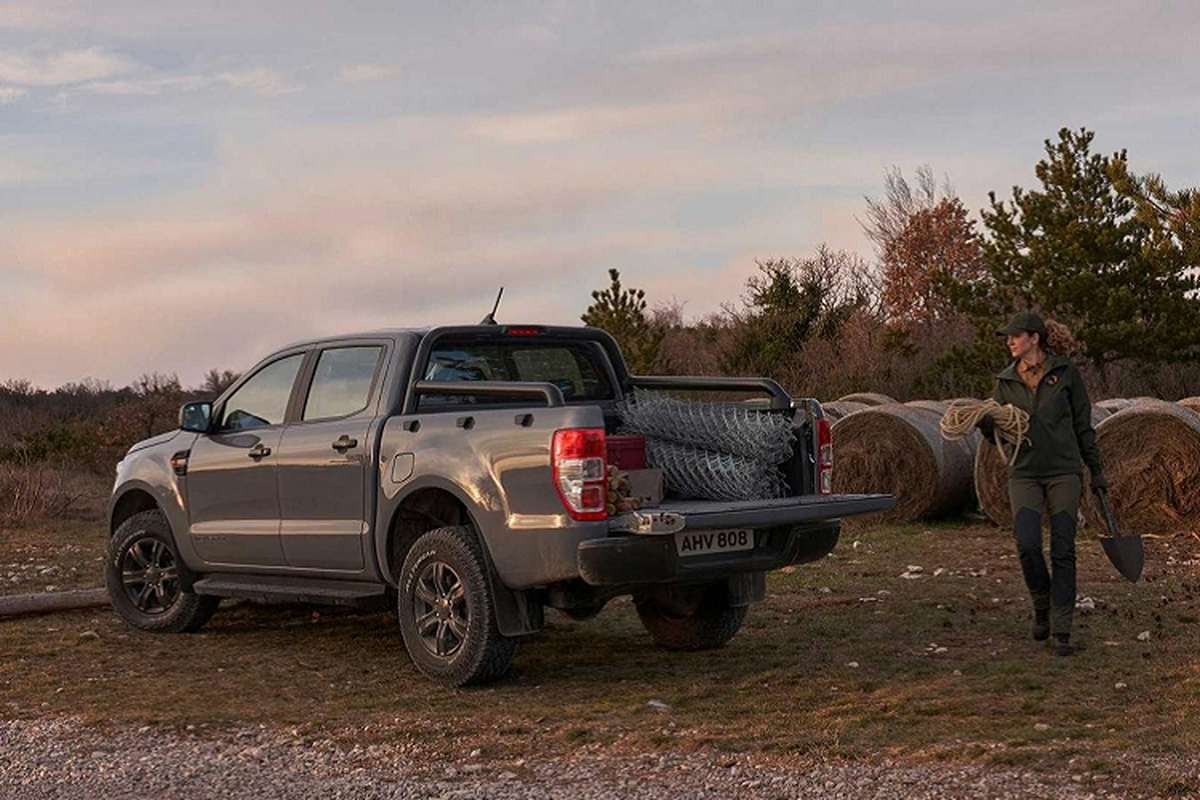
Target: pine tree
{"x": 622, "y": 312}
{"x": 1088, "y": 250}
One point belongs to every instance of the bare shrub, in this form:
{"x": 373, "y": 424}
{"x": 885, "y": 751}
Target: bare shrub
{"x": 31, "y": 492}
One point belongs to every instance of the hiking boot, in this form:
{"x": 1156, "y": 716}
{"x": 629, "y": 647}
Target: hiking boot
{"x": 1041, "y": 624}
{"x": 1062, "y": 645}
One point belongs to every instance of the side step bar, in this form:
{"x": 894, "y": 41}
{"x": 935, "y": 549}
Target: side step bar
{"x": 272, "y": 588}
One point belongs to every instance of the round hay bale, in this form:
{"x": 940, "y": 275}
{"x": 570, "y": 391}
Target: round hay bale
{"x": 991, "y": 477}
{"x": 839, "y": 408}
{"x": 1191, "y": 403}
{"x": 936, "y": 406}
{"x": 1151, "y": 455}
{"x": 1114, "y": 404}
{"x": 898, "y": 450}
{"x": 939, "y": 409}
{"x": 867, "y": 398}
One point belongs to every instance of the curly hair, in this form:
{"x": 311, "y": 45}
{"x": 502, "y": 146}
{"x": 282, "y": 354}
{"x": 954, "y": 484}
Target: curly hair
{"x": 1058, "y": 338}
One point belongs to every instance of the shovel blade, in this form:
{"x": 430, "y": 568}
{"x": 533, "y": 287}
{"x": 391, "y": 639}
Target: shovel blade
{"x": 1126, "y": 554}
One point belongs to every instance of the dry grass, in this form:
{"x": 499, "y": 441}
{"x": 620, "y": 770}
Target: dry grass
{"x": 39, "y": 491}
{"x": 783, "y": 687}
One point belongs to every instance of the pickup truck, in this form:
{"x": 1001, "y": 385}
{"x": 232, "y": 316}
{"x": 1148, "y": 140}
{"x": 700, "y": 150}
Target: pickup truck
{"x": 458, "y": 472}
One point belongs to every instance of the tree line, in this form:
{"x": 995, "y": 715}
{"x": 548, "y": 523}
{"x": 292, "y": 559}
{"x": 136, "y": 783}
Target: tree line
{"x": 1112, "y": 255}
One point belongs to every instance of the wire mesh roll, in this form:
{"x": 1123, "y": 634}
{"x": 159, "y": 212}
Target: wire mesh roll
{"x": 719, "y": 427}
{"x": 690, "y": 472}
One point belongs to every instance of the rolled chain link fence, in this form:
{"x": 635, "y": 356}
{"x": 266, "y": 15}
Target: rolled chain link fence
{"x": 711, "y": 451}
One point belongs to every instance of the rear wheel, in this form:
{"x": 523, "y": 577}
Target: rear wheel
{"x": 690, "y": 617}
{"x": 142, "y": 577}
{"x": 446, "y": 610}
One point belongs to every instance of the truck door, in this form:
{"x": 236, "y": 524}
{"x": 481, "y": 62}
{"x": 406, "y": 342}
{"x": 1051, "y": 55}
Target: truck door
{"x": 324, "y": 458}
{"x": 233, "y": 498}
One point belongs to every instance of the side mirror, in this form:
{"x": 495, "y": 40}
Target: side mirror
{"x": 196, "y": 417}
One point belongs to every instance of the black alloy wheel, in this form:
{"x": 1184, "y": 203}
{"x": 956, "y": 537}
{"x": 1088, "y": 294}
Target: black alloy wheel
{"x": 150, "y": 576}
{"x": 145, "y": 579}
{"x": 440, "y": 609}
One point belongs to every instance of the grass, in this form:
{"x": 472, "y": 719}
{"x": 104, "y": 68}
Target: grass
{"x": 945, "y": 668}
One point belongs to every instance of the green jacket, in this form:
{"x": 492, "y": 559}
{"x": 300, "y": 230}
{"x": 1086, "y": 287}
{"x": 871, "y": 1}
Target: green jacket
{"x": 1060, "y": 420}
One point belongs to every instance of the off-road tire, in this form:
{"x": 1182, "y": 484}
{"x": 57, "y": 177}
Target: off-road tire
{"x": 186, "y": 611}
{"x": 708, "y": 621}
{"x": 481, "y": 654}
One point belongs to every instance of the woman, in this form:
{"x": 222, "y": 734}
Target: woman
{"x": 1047, "y": 472}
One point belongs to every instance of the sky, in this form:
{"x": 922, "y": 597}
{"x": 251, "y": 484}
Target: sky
{"x": 190, "y": 185}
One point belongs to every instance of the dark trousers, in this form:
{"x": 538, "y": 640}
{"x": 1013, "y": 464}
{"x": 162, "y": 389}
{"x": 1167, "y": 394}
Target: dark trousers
{"x": 1059, "y": 496}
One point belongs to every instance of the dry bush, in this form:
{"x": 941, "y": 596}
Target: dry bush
{"x": 31, "y": 492}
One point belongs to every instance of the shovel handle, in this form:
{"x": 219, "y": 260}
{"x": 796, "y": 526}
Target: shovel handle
{"x": 1113, "y": 531}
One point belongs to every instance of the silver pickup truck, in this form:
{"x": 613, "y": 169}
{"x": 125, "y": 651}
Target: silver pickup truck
{"x": 460, "y": 473}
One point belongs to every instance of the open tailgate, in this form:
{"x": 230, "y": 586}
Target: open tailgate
{"x": 676, "y": 515}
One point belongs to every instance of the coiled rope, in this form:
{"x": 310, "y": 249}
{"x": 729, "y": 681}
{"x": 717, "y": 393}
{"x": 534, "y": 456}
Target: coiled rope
{"x": 1011, "y": 423}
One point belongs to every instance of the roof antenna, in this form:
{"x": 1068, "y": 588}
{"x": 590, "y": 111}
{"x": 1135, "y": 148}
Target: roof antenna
{"x": 490, "y": 319}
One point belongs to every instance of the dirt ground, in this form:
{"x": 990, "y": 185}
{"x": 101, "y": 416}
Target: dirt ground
{"x": 910, "y": 643}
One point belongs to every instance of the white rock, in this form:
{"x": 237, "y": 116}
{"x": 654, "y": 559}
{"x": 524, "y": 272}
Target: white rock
{"x": 1120, "y": 685}
{"x": 1041, "y": 726}
{"x": 1144, "y": 636}
{"x": 852, "y": 664}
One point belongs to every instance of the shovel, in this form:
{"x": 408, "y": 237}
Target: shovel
{"x": 1124, "y": 551}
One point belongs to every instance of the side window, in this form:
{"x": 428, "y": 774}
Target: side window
{"x": 263, "y": 399}
{"x": 341, "y": 383}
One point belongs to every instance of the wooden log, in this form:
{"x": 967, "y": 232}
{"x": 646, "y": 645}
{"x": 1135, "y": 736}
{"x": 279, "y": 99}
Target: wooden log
{"x": 47, "y": 602}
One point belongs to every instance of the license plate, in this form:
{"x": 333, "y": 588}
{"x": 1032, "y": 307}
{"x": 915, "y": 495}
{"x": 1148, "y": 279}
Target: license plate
{"x": 700, "y": 543}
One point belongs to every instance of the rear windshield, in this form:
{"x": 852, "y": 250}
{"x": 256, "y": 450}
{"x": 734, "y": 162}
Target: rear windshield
{"x": 575, "y": 367}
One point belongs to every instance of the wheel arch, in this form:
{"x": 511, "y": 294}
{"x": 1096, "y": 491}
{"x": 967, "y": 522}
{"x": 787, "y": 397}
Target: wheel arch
{"x": 134, "y": 500}
{"x": 437, "y": 503}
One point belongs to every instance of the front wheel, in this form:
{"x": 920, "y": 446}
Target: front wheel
{"x": 689, "y": 617}
{"x": 142, "y": 577}
{"x": 447, "y": 612}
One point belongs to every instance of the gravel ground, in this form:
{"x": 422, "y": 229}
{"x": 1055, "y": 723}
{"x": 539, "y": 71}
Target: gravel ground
{"x": 59, "y": 758}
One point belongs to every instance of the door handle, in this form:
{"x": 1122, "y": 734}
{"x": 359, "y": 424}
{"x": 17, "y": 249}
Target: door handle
{"x": 259, "y": 451}
{"x": 345, "y": 443}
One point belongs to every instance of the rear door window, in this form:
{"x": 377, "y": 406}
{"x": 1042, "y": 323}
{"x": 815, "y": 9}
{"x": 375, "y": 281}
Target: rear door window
{"x": 576, "y": 368}
{"x": 341, "y": 383}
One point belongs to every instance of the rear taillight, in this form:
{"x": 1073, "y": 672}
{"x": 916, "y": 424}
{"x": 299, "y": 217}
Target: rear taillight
{"x": 824, "y": 457}
{"x": 578, "y": 460}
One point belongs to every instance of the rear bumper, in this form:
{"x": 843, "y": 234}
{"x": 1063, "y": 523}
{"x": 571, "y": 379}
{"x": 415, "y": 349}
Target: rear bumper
{"x": 637, "y": 559}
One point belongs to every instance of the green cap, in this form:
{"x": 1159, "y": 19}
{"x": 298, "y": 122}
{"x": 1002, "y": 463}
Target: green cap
{"x": 1024, "y": 322}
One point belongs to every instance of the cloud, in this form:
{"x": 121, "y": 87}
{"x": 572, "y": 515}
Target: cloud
{"x": 10, "y": 93}
{"x": 366, "y": 73}
{"x": 263, "y": 82}
{"x": 260, "y": 81}
{"x": 62, "y": 68}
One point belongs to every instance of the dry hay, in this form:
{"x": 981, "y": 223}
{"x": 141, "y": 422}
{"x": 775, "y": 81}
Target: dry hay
{"x": 991, "y": 477}
{"x": 1191, "y": 403}
{"x": 1151, "y": 455}
{"x": 1114, "y": 404}
{"x": 840, "y": 408}
{"x": 898, "y": 450}
{"x": 972, "y": 442}
{"x": 867, "y": 398}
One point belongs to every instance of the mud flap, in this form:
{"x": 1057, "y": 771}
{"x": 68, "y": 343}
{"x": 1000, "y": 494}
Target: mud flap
{"x": 517, "y": 613}
{"x": 747, "y": 589}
